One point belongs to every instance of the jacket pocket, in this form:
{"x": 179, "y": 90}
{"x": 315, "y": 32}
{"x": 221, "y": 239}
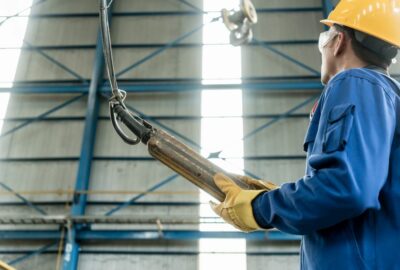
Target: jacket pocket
{"x": 337, "y": 132}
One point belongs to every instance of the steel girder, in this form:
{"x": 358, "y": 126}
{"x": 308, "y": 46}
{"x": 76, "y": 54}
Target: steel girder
{"x": 123, "y": 235}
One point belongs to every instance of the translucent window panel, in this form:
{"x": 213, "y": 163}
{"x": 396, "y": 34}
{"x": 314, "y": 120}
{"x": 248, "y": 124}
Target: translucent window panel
{"x": 12, "y": 32}
{"x": 221, "y": 123}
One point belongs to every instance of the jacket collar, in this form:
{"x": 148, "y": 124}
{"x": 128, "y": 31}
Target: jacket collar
{"x": 377, "y": 69}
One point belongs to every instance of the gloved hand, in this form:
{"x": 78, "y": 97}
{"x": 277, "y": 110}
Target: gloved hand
{"x": 236, "y": 209}
{"x": 255, "y": 183}
{"x": 5, "y": 266}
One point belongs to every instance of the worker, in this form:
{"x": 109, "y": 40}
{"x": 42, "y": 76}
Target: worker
{"x": 347, "y": 205}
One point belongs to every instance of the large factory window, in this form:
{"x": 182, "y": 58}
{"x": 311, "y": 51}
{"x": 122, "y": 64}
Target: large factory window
{"x": 221, "y": 129}
{"x": 13, "y": 24}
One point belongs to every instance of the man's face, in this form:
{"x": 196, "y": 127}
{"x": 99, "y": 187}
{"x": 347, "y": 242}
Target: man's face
{"x": 325, "y": 45}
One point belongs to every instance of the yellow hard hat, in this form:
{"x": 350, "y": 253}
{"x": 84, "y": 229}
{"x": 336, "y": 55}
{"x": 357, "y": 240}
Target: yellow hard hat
{"x": 377, "y": 18}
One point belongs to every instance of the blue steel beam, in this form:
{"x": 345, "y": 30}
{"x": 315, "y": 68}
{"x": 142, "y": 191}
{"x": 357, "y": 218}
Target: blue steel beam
{"x": 327, "y": 7}
{"x": 40, "y": 159}
{"x": 71, "y": 254}
{"x": 83, "y": 175}
{"x": 144, "y": 158}
{"x": 193, "y": 80}
{"x": 58, "y": 63}
{"x": 61, "y": 82}
{"x": 295, "y": 86}
{"x": 22, "y": 198}
{"x": 183, "y": 235}
{"x": 156, "y": 117}
{"x": 244, "y": 79}
{"x": 122, "y": 235}
{"x": 172, "y": 87}
{"x": 41, "y": 116}
{"x": 104, "y": 203}
{"x": 151, "y": 87}
{"x": 170, "y": 13}
{"x": 159, "y": 252}
{"x": 157, "y": 45}
{"x": 32, "y": 253}
{"x": 36, "y": 235}
{"x": 45, "y": 89}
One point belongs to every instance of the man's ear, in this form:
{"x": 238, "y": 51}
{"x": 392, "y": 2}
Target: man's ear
{"x": 340, "y": 44}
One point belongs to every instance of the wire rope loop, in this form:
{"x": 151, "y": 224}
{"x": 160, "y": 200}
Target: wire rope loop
{"x": 118, "y": 129}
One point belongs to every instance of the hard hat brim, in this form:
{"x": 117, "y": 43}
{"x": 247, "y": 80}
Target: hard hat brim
{"x": 327, "y": 22}
{"x": 330, "y": 23}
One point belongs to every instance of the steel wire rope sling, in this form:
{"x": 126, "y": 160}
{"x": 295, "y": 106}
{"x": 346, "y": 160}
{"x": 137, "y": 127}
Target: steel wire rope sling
{"x": 161, "y": 145}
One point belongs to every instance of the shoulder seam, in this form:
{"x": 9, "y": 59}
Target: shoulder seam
{"x": 387, "y": 91}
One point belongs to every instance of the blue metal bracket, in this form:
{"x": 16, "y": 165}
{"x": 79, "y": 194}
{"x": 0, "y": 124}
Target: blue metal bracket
{"x": 280, "y": 117}
{"x": 287, "y": 57}
{"x": 59, "y": 64}
{"x": 160, "y": 50}
{"x": 22, "y": 198}
{"x": 42, "y": 116}
{"x": 32, "y": 254}
{"x": 134, "y": 199}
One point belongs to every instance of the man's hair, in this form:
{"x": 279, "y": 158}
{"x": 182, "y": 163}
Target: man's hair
{"x": 368, "y": 48}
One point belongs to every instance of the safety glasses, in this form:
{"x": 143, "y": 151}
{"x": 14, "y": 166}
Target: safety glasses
{"x": 325, "y": 38}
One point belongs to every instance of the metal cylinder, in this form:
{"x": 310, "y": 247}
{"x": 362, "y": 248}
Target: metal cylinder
{"x": 188, "y": 163}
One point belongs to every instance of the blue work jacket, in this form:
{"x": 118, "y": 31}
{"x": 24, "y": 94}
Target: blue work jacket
{"x": 347, "y": 206}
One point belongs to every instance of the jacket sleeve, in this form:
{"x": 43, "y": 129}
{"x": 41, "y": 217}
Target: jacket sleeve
{"x": 349, "y": 161}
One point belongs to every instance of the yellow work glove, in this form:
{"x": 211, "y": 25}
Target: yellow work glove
{"x": 236, "y": 209}
{"x": 256, "y": 184}
{"x": 4, "y": 266}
